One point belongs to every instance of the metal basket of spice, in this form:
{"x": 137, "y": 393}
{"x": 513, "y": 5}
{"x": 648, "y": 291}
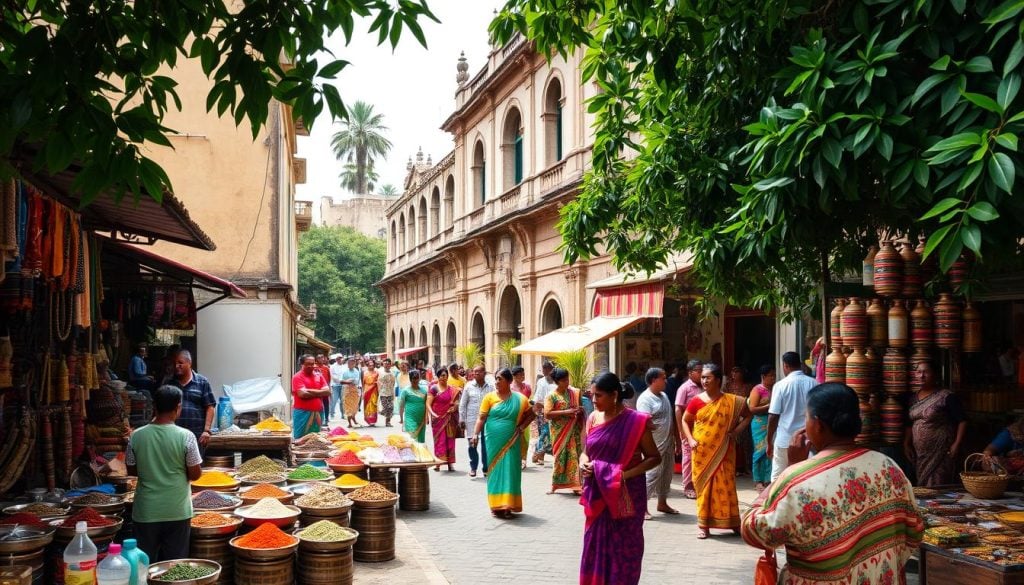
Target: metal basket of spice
{"x": 16, "y": 539}
{"x": 325, "y": 536}
{"x": 373, "y": 495}
{"x": 206, "y": 524}
{"x": 211, "y": 501}
{"x": 102, "y": 503}
{"x": 99, "y": 525}
{"x": 266, "y": 543}
{"x": 258, "y": 477}
{"x": 185, "y": 572}
{"x": 40, "y": 509}
{"x": 253, "y": 494}
{"x": 268, "y": 510}
{"x": 307, "y": 472}
{"x": 324, "y": 501}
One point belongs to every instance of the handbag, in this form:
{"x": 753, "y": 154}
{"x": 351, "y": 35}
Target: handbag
{"x": 766, "y": 572}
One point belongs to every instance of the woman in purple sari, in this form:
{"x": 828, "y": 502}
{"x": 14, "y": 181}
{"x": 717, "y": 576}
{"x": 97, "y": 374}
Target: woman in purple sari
{"x": 618, "y": 451}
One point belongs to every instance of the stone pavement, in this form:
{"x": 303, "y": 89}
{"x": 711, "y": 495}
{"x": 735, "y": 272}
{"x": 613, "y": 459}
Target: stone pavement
{"x": 457, "y": 541}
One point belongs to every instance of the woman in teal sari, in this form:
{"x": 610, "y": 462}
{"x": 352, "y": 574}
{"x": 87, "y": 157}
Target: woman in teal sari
{"x": 414, "y": 407}
{"x": 760, "y": 397}
{"x": 504, "y": 415}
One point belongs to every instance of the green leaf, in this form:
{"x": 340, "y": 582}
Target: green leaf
{"x": 979, "y": 64}
{"x": 983, "y": 211}
{"x": 940, "y": 64}
{"x": 1002, "y": 171}
{"x": 832, "y": 151}
{"x": 958, "y": 142}
{"x": 935, "y": 239}
{"x": 1005, "y": 11}
{"x": 1014, "y": 58}
{"x": 959, "y": 5}
{"x": 884, "y": 146}
{"x": 1007, "y": 91}
{"x": 921, "y": 173}
{"x": 927, "y": 85}
{"x": 1007, "y": 141}
{"x": 949, "y": 252}
{"x": 769, "y": 184}
{"x": 970, "y": 235}
{"x": 332, "y": 69}
{"x": 941, "y": 207}
{"x": 983, "y": 101}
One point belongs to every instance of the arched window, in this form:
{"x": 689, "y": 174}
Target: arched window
{"x": 402, "y": 241}
{"x": 394, "y": 240}
{"x": 553, "y": 122}
{"x": 435, "y": 212}
{"x": 550, "y": 317}
{"x": 479, "y": 175}
{"x": 394, "y": 340}
{"x": 512, "y": 150}
{"x": 410, "y": 229}
{"x": 449, "y": 345}
{"x": 477, "y": 334}
{"x": 421, "y": 233}
{"x": 449, "y": 201}
{"x": 401, "y": 340}
{"x": 435, "y": 345}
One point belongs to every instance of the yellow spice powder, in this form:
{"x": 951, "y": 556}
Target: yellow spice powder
{"x": 214, "y": 479}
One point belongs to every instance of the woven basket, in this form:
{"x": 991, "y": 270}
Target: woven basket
{"x": 984, "y": 485}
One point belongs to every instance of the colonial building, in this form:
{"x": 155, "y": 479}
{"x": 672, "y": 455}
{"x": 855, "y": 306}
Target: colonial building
{"x": 242, "y": 191}
{"x": 473, "y": 251}
{"x": 364, "y": 213}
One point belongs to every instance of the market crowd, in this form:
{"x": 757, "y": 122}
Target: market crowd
{"x": 615, "y": 442}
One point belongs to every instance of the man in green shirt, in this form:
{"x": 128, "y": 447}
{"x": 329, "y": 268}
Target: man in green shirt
{"x": 165, "y": 458}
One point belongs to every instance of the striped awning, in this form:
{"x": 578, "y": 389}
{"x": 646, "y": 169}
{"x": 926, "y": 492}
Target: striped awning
{"x": 643, "y": 300}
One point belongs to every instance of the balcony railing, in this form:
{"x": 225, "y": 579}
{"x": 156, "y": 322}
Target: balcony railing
{"x": 552, "y": 177}
{"x": 510, "y": 199}
{"x": 303, "y": 215}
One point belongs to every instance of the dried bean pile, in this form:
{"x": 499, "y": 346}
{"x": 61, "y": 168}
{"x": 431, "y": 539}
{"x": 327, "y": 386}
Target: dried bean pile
{"x": 323, "y": 496}
{"x": 372, "y": 492}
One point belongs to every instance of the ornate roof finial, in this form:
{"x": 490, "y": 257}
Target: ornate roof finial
{"x": 408, "y": 165}
{"x": 462, "y": 68}
{"x": 419, "y": 156}
{"x": 430, "y": 162}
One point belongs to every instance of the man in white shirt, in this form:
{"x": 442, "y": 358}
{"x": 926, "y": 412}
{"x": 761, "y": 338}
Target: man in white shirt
{"x": 787, "y": 410}
{"x": 337, "y": 367}
{"x": 541, "y": 389}
{"x": 469, "y": 411}
{"x": 655, "y": 402}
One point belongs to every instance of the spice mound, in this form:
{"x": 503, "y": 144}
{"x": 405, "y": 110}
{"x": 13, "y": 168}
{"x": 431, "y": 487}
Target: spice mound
{"x": 185, "y": 572}
{"x": 94, "y": 498}
{"x": 208, "y": 499}
{"x": 215, "y": 479}
{"x": 312, "y": 442}
{"x": 25, "y": 519}
{"x": 271, "y": 424}
{"x": 269, "y": 508}
{"x": 350, "y": 480}
{"x": 264, "y": 490}
{"x": 264, "y": 477}
{"x": 89, "y": 516}
{"x": 207, "y": 519}
{"x": 41, "y": 509}
{"x": 308, "y": 471}
{"x": 323, "y": 496}
{"x": 261, "y": 464}
{"x": 266, "y": 535}
{"x": 345, "y": 458}
{"x": 326, "y": 531}
{"x": 372, "y": 492}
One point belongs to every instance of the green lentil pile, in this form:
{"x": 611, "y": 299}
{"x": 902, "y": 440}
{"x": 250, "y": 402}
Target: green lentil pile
{"x": 185, "y": 572}
{"x": 308, "y": 471}
{"x": 261, "y": 464}
{"x": 326, "y": 531}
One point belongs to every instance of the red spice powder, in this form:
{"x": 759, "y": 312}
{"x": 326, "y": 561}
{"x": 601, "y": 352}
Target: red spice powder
{"x": 24, "y": 519}
{"x": 266, "y": 535}
{"x": 89, "y": 516}
{"x": 345, "y": 458}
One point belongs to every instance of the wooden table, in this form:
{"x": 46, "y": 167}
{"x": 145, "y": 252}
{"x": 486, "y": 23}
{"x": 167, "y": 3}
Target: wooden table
{"x": 251, "y": 445}
{"x": 940, "y": 566}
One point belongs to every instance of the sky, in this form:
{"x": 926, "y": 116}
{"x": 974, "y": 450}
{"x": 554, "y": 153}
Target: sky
{"x": 413, "y": 87}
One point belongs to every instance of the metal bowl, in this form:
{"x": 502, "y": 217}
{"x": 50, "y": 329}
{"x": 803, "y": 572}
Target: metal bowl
{"x": 115, "y": 506}
{"x": 247, "y": 501}
{"x": 347, "y": 468}
{"x": 375, "y": 503}
{"x": 157, "y": 569}
{"x": 332, "y": 512}
{"x": 24, "y": 540}
{"x": 279, "y": 479}
{"x": 223, "y": 530}
{"x": 296, "y": 481}
{"x": 67, "y": 533}
{"x": 263, "y": 554}
{"x": 221, "y": 488}
{"x": 281, "y": 522}
{"x": 332, "y": 546}
{"x": 60, "y": 510}
{"x": 236, "y": 502}
{"x": 300, "y": 489}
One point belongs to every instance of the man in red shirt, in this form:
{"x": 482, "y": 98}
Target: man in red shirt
{"x": 308, "y": 390}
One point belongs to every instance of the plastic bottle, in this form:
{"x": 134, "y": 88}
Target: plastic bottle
{"x": 137, "y": 559}
{"x": 114, "y": 569}
{"x": 225, "y": 413}
{"x": 80, "y": 558}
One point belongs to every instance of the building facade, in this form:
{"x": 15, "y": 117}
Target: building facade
{"x": 367, "y": 214}
{"x": 473, "y": 245}
{"x": 242, "y": 190}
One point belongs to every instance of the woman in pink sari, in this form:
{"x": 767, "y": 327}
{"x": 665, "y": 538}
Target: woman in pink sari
{"x": 443, "y": 407}
{"x": 370, "y": 393}
{"x": 618, "y": 451}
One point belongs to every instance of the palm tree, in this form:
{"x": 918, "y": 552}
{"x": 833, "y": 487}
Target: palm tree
{"x": 350, "y": 178}
{"x": 389, "y": 190}
{"x": 360, "y": 141}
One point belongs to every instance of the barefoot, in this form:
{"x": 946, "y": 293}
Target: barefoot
{"x": 703, "y": 534}
{"x": 666, "y": 509}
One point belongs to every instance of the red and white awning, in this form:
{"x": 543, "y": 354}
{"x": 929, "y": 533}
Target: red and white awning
{"x": 645, "y": 300}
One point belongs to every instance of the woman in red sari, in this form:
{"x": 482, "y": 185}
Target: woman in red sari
{"x": 619, "y": 451}
{"x": 443, "y": 408}
{"x": 564, "y": 412}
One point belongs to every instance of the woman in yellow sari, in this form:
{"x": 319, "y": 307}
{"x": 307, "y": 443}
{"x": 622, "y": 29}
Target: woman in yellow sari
{"x": 712, "y": 424}
{"x": 370, "y": 393}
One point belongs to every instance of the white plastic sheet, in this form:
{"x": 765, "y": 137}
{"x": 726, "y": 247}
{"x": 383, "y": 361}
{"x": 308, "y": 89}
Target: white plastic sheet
{"x": 256, "y": 394}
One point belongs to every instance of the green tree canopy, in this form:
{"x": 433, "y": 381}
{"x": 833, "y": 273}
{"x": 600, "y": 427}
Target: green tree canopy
{"x": 358, "y": 143}
{"x": 79, "y": 80}
{"x": 775, "y": 139}
{"x": 338, "y": 267}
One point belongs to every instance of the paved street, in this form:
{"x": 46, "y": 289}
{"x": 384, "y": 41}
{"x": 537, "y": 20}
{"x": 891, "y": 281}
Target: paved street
{"x": 457, "y": 541}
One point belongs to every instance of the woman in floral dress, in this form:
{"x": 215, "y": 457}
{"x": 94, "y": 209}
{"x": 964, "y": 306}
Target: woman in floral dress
{"x": 565, "y": 414}
{"x": 846, "y": 515}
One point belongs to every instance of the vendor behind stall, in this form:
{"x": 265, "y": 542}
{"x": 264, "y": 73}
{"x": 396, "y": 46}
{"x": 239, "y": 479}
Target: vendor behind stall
{"x": 197, "y": 404}
{"x": 165, "y": 457}
{"x": 1008, "y": 447}
{"x": 308, "y": 389}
